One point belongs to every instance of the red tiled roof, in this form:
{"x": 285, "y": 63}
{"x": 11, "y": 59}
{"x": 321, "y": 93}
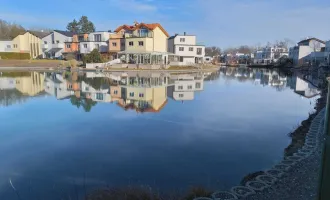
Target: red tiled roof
{"x": 138, "y": 26}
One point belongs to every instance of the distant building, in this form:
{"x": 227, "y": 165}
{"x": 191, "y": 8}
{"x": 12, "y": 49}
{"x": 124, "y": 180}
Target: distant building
{"x": 72, "y": 48}
{"x": 183, "y": 87}
{"x": 301, "y": 54}
{"x": 269, "y": 54}
{"x": 6, "y": 46}
{"x": 187, "y": 48}
{"x": 96, "y": 40}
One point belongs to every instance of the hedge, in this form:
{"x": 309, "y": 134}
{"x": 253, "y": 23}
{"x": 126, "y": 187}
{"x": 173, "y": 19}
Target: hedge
{"x": 15, "y": 55}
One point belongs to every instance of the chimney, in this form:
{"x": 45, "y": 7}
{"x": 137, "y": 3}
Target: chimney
{"x": 184, "y": 33}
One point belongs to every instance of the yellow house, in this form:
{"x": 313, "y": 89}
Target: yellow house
{"x": 29, "y": 42}
{"x": 31, "y": 85}
{"x": 144, "y": 43}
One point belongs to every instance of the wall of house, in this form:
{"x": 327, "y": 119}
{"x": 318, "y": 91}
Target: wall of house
{"x": 6, "y": 46}
{"x": 187, "y": 95}
{"x": 104, "y": 36}
{"x": 160, "y": 40}
{"x": 170, "y": 46}
{"x": 30, "y": 85}
{"x": 103, "y": 47}
{"x": 159, "y": 97}
{"x": 189, "y": 39}
{"x": 24, "y": 43}
{"x": 7, "y": 83}
{"x": 147, "y": 44}
{"x": 186, "y": 51}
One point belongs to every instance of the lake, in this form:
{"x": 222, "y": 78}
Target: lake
{"x": 64, "y": 134}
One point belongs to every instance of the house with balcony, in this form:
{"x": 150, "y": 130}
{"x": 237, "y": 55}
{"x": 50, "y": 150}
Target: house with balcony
{"x": 301, "y": 53}
{"x": 145, "y": 44}
{"x": 29, "y": 42}
{"x": 53, "y": 45}
{"x": 96, "y": 40}
{"x": 72, "y": 46}
{"x": 6, "y": 46}
{"x": 188, "y": 50}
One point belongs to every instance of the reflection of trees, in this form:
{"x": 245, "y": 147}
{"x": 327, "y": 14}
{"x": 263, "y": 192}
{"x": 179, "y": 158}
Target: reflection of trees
{"x": 87, "y": 104}
{"x": 11, "y": 97}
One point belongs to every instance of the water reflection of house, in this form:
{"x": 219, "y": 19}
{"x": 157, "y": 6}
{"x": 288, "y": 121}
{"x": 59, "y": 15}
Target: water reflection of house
{"x": 7, "y": 83}
{"x": 100, "y": 95}
{"x": 30, "y": 85}
{"x": 184, "y": 87}
{"x": 57, "y": 86}
{"x": 305, "y": 89}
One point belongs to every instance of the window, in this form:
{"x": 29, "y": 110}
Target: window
{"x": 8, "y": 46}
{"x": 86, "y": 88}
{"x": 198, "y": 85}
{"x": 57, "y": 41}
{"x": 199, "y": 51}
{"x": 181, "y": 58}
{"x": 180, "y": 87}
{"x": 141, "y": 95}
{"x": 114, "y": 44}
{"x": 122, "y": 44}
{"x": 68, "y": 46}
{"x": 182, "y": 39}
{"x": 140, "y": 43}
{"x": 143, "y": 32}
{"x": 45, "y": 42}
{"x": 131, "y": 43}
{"x": 181, "y": 48}
{"x": 85, "y": 45}
{"x": 115, "y": 92}
{"x": 97, "y": 37}
{"x": 131, "y": 94}
{"x": 181, "y": 95}
{"x": 15, "y": 45}
{"x": 189, "y": 87}
{"x": 191, "y": 48}
{"x": 99, "y": 96}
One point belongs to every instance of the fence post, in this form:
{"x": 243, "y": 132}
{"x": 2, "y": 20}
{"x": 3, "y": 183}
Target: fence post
{"x": 324, "y": 188}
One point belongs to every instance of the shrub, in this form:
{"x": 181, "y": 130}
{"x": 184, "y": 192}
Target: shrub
{"x": 73, "y": 63}
{"x": 93, "y": 57}
{"x": 14, "y": 55}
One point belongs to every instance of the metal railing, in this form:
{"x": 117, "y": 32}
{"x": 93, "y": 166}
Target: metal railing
{"x": 324, "y": 188}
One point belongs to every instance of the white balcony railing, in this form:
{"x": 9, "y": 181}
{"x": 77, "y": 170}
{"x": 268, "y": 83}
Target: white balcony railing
{"x": 58, "y": 46}
{"x": 45, "y": 46}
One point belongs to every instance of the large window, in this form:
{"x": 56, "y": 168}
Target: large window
{"x": 143, "y": 32}
{"x": 180, "y": 87}
{"x": 141, "y": 95}
{"x": 131, "y": 94}
{"x": 181, "y": 95}
{"x": 68, "y": 46}
{"x": 85, "y": 45}
{"x": 114, "y": 44}
{"x": 97, "y": 37}
{"x": 191, "y": 48}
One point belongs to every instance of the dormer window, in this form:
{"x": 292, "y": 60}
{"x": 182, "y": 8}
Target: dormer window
{"x": 143, "y": 32}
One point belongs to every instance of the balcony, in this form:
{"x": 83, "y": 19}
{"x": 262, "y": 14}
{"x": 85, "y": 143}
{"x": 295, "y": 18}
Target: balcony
{"x": 58, "y": 46}
{"x": 142, "y": 35}
{"x": 44, "y": 46}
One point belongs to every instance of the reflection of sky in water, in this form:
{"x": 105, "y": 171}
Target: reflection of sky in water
{"x": 229, "y": 130}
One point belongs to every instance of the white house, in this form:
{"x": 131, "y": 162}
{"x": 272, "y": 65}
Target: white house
{"x": 6, "y": 46}
{"x": 186, "y": 47}
{"x": 96, "y": 40}
{"x": 57, "y": 87}
{"x": 53, "y": 44}
{"x": 269, "y": 54}
{"x": 98, "y": 95}
{"x": 300, "y": 54}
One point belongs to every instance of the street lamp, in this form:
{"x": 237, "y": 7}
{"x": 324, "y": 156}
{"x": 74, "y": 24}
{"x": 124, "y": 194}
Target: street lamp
{"x": 324, "y": 191}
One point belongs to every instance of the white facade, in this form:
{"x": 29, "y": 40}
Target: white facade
{"x": 269, "y": 54}
{"x": 57, "y": 87}
{"x": 53, "y": 44}
{"x": 6, "y": 46}
{"x": 301, "y": 54}
{"x": 184, "y": 87}
{"x": 186, "y": 47}
{"x": 7, "y": 83}
{"x": 96, "y": 40}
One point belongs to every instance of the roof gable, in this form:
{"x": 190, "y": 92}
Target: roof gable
{"x": 152, "y": 27}
{"x": 309, "y": 39}
{"x": 65, "y": 33}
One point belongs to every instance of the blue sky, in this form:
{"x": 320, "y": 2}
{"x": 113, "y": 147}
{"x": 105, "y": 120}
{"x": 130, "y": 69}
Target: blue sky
{"x": 224, "y": 23}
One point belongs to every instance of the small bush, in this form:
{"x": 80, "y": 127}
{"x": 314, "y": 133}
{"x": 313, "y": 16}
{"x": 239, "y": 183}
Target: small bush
{"x": 14, "y": 56}
{"x": 73, "y": 63}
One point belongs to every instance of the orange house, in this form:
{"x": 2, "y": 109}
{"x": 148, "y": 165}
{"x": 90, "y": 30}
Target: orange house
{"x": 116, "y": 44}
{"x": 72, "y": 47}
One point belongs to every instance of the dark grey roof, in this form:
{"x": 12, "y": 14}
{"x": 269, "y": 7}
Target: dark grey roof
{"x": 321, "y": 41}
{"x": 66, "y": 33}
{"x": 39, "y": 34}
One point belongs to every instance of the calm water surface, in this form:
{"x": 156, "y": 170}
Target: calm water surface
{"x": 66, "y": 134}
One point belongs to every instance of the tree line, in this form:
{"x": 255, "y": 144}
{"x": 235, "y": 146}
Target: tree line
{"x": 9, "y": 31}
